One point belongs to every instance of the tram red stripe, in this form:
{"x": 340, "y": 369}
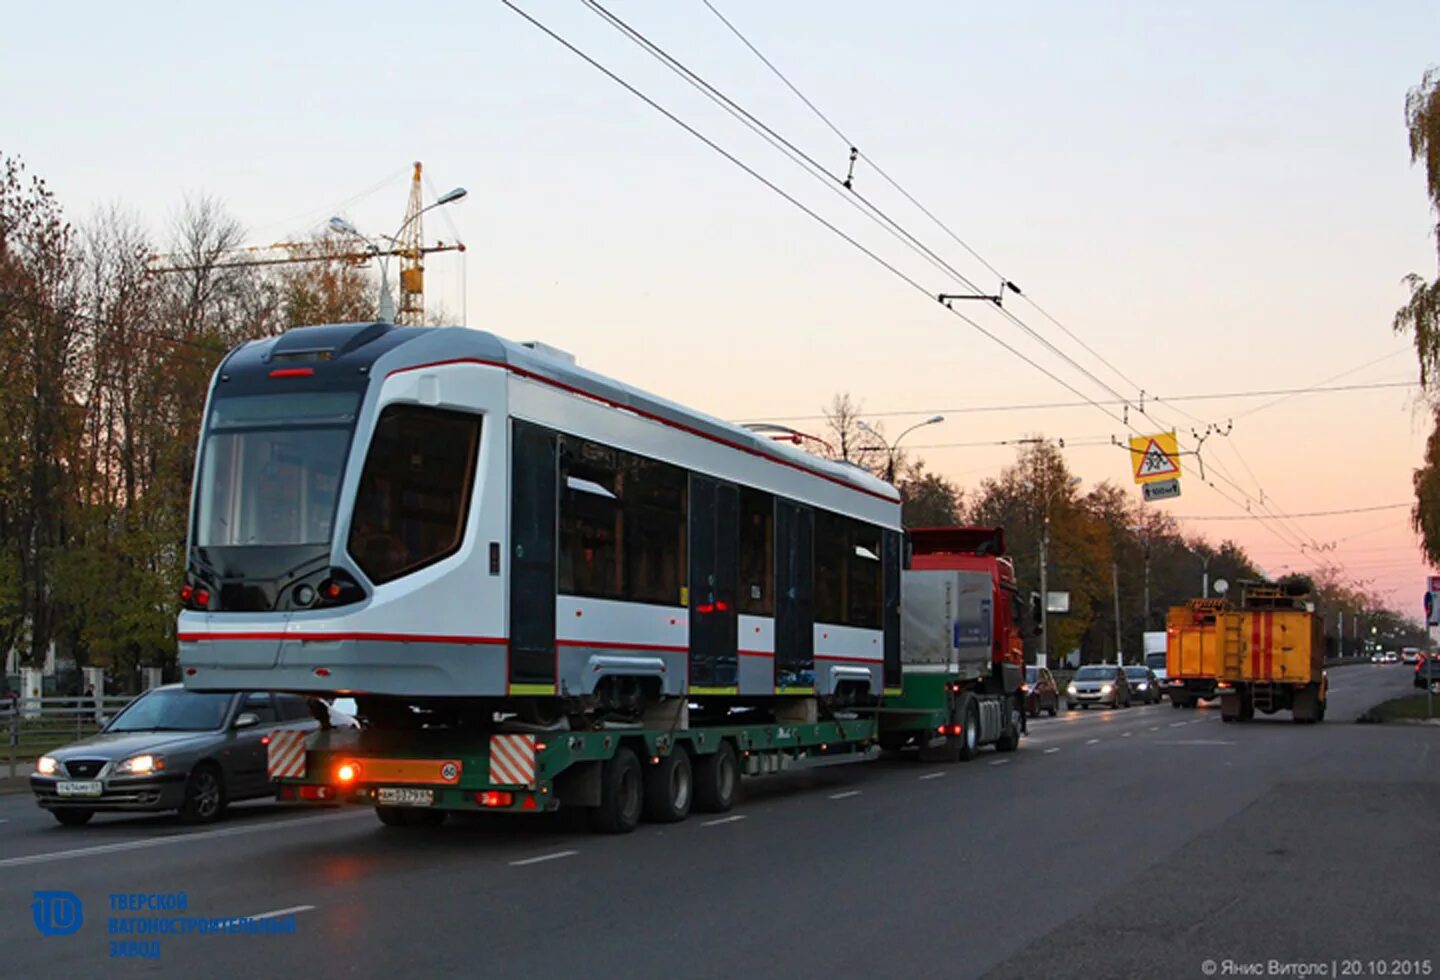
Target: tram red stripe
{"x": 332, "y": 637}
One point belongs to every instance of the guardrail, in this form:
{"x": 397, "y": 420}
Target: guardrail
{"x": 33, "y": 726}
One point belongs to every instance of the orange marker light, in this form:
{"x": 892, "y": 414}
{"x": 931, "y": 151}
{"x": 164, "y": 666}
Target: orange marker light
{"x": 347, "y": 772}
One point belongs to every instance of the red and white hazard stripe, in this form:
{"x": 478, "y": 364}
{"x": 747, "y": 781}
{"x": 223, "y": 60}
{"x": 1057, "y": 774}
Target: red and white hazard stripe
{"x": 286, "y": 754}
{"x": 512, "y": 760}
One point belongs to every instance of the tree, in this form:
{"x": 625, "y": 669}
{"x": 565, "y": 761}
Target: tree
{"x": 928, "y": 499}
{"x": 1420, "y": 316}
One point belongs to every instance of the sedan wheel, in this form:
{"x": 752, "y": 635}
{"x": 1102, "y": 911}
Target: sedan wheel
{"x": 204, "y": 796}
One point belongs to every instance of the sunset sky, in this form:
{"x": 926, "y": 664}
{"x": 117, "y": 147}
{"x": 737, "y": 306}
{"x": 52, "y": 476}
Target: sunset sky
{"x": 1214, "y": 197}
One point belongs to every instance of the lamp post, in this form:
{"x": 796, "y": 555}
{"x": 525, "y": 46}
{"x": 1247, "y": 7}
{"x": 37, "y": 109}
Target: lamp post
{"x": 343, "y": 227}
{"x": 892, "y": 447}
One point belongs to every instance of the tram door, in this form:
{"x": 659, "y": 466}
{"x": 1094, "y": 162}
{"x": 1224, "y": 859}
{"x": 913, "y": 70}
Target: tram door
{"x": 794, "y": 595}
{"x": 533, "y": 504}
{"x": 714, "y": 572}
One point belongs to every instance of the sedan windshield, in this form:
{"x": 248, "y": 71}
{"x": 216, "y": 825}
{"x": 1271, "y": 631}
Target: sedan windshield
{"x": 1136, "y": 673}
{"x": 1032, "y": 674}
{"x": 173, "y": 710}
{"x": 1095, "y": 674}
{"x": 272, "y": 468}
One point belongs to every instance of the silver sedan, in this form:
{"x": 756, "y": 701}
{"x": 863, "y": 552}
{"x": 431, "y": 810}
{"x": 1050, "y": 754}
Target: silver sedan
{"x": 172, "y": 749}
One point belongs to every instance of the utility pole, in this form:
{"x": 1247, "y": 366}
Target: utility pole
{"x": 1115, "y": 582}
{"x": 1044, "y": 658}
{"x": 1340, "y": 633}
{"x": 1146, "y": 620}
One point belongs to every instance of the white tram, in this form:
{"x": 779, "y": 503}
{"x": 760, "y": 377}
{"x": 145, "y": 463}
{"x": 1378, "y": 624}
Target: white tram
{"x": 426, "y": 513}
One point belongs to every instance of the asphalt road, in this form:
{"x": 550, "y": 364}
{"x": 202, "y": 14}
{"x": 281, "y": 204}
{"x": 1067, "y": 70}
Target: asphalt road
{"x": 1131, "y": 843}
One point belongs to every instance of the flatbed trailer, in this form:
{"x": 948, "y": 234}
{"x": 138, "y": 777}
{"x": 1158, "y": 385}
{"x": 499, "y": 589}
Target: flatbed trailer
{"x": 619, "y": 774}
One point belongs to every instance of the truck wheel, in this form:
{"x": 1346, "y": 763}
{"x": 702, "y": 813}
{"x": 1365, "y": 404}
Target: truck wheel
{"x": 717, "y": 780}
{"x": 621, "y": 795}
{"x": 392, "y": 816}
{"x": 969, "y": 728}
{"x": 669, "y": 788}
{"x": 1009, "y": 739}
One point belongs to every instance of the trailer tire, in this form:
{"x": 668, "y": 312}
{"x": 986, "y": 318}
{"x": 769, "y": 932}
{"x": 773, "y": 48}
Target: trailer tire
{"x": 669, "y": 787}
{"x": 717, "y": 780}
{"x": 622, "y": 794}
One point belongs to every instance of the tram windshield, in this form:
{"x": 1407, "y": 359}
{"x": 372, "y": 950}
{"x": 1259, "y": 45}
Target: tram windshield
{"x": 272, "y": 467}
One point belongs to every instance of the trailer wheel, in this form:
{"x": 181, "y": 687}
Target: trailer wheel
{"x": 669, "y": 787}
{"x": 621, "y": 794}
{"x": 717, "y": 780}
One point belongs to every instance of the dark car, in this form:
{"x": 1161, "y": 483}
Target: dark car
{"x": 1427, "y": 672}
{"x": 1041, "y": 693}
{"x": 1144, "y": 686}
{"x": 172, "y": 749}
{"x": 1099, "y": 684}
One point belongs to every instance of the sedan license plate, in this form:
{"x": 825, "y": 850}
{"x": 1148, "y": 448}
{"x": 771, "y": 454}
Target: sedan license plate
{"x": 405, "y": 796}
{"x": 74, "y": 788}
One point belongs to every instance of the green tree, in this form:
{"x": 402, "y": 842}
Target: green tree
{"x": 1420, "y": 316}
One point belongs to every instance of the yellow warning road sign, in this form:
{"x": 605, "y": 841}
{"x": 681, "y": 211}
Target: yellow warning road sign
{"x": 1155, "y": 457}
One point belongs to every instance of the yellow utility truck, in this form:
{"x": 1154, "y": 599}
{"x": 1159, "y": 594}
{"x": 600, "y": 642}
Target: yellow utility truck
{"x": 1272, "y": 654}
{"x": 1192, "y": 652}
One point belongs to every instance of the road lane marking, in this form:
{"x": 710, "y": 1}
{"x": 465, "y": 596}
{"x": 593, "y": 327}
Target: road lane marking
{"x": 1091, "y": 741}
{"x": 1056, "y": 749}
{"x": 719, "y": 820}
{"x": 845, "y": 795}
{"x": 1197, "y": 721}
{"x": 279, "y": 912}
{"x": 1126, "y": 734}
{"x": 1000, "y": 762}
{"x": 1154, "y": 728}
{"x": 543, "y": 857}
{"x": 168, "y": 839}
{"x": 932, "y": 775}
{"x": 1177, "y": 724}
{"x": 1192, "y": 741}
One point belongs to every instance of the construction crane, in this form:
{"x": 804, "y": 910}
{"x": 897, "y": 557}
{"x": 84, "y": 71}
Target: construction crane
{"x": 407, "y": 244}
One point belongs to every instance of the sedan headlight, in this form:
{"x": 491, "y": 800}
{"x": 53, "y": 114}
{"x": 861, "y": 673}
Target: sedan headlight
{"x": 1143, "y": 686}
{"x": 1070, "y": 689}
{"x": 1106, "y": 688}
{"x": 139, "y": 765}
{"x": 46, "y": 766}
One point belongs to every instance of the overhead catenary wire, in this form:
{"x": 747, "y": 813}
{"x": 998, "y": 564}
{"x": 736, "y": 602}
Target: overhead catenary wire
{"x": 1048, "y": 406}
{"x": 795, "y": 202}
{"x": 1312, "y": 513}
{"x": 911, "y": 198}
{"x": 855, "y": 151}
{"x": 842, "y": 187}
{"x": 856, "y": 244}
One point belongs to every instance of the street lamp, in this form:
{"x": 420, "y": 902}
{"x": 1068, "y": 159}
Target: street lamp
{"x": 343, "y": 227}
{"x": 892, "y": 447}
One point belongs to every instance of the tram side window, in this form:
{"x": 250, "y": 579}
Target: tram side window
{"x": 591, "y": 521}
{"x": 414, "y": 491}
{"x": 654, "y": 530}
{"x": 864, "y": 583}
{"x": 622, "y": 525}
{"x": 849, "y": 585}
{"x": 757, "y": 553}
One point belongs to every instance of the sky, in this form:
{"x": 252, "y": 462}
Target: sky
{"x": 1213, "y": 197}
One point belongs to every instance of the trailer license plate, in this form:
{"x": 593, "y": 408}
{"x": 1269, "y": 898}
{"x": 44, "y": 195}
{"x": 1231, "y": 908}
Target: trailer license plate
{"x": 74, "y": 788}
{"x": 405, "y": 796}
